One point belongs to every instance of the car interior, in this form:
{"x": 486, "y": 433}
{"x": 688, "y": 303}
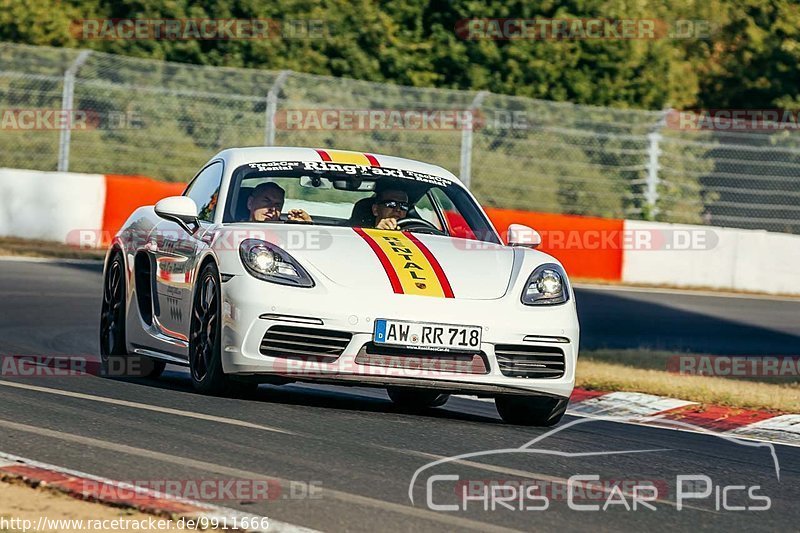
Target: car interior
{"x": 361, "y": 215}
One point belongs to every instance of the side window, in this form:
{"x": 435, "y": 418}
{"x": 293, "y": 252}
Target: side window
{"x": 425, "y": 210}
{"x": 204, "y": 190}
{"x": 457, "y": 226}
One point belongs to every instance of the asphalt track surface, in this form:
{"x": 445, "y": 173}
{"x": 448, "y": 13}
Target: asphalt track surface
{"x": 363, "y": 453}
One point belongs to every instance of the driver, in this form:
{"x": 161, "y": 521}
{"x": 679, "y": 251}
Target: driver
{"x": 390, "y": 205}
{"x": 265, "y": 204}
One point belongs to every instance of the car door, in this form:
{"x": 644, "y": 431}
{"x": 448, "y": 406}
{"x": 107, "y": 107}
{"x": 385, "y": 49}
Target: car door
{"x": 175, "y": 256}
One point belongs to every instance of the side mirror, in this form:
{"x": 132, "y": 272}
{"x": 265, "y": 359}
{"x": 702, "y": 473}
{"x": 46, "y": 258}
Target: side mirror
{"x": 519, "y": 235}
{"x": 180, "y": 209}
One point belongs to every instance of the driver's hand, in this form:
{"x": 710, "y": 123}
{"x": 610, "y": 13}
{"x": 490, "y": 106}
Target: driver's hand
{"x": 387, "y": 223}
{"x": 298, "y": 215}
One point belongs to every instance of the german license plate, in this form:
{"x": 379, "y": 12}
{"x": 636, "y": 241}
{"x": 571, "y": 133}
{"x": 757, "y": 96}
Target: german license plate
{"x": 426, "y": 336}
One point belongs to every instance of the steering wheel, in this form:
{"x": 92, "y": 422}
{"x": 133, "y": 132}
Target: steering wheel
{"x": 418, "y": 225}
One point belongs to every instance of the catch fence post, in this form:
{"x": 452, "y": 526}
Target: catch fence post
{"x": 272, "y": 107}
{"x": 653, "y": 153}
{"x": 67, "y": 101}
{"x": 465, "y": 166}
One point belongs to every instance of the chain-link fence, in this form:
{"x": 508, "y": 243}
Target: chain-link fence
{"x": 135, "y": 116}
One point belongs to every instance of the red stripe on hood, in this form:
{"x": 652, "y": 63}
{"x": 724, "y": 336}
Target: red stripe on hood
{"x": 437, "y": 268}
{"x": 387, "y": 266}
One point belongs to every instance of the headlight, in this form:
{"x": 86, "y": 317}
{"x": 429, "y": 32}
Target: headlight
{"x": 266, "y": 261}
{"x": 546, "y": 286}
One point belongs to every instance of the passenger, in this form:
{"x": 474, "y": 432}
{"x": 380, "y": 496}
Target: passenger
{"x": 266, "y": 202}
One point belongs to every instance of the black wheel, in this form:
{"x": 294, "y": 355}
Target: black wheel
{"x": 205, "y": 337}
{"x": 531, "y": 410}
{"x": 112, "y": 316}
{"x": 416, "y": 399}
{"x": 114, "y": 357}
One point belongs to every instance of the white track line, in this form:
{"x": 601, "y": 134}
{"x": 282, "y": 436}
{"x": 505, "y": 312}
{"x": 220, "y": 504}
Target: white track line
{"x": 145, "y": 407}
{"x": 414, "y": 512}
{"x": 638, "y": 421}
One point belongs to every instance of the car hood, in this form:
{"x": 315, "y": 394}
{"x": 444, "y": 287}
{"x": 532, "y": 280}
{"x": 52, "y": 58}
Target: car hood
{"x": 436, "y": 266}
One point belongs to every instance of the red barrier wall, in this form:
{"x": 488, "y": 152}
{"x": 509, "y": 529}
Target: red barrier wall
{"x": 124, "y": 194}
{"x": 588, "y": 247}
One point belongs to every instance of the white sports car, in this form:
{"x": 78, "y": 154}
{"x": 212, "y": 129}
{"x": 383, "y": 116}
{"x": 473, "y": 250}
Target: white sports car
{"x": 271, "y": 268}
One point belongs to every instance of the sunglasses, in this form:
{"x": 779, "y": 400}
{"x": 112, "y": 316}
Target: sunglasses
{"x": 394, "y": 204}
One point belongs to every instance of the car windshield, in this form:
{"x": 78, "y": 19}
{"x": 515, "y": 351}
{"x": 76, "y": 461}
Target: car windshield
{"x": 349, "y": 195}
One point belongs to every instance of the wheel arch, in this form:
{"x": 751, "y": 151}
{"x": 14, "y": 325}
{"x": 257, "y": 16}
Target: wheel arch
{"x": 114, "y": 248}
{"x": 208, "y": 258}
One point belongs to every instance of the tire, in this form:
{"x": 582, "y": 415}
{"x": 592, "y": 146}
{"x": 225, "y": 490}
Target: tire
{"x": 205, "y": 339}
{"x": 114, "y": 358}
{"x": 416, "y": 399}
{"x": 540, "y": 411}
{"x": 113, "y": 352}
{"x": 205, "y": 365}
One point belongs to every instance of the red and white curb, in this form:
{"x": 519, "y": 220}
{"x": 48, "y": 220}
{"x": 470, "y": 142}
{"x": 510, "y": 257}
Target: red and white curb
{"x": 98, "y": 489}
{"x": 658, "y": 411}
{"x": 626, "y": 404}
{"x": 648, "y": 409}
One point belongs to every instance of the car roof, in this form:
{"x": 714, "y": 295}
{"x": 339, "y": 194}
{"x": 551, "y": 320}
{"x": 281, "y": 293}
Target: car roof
{"x": 235, "y": 157}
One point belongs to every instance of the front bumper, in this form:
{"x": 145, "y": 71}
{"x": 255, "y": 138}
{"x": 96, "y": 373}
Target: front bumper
{"x": 504, "y": 321}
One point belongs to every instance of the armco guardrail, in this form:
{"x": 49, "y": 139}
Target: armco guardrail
{"x": 72, "y": 208}
{"x": 722, "y": 258}
{"x": 85, "y": 111}
{"x": 49, "y": 205}
{"x": 87, "y": 209}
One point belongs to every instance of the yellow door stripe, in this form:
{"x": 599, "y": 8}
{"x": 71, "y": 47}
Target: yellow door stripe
{"x": 349, "y": 158}
{"x": 414, "y": 271}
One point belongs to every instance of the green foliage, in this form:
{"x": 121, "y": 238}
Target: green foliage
{"x": 754, "y": 63}
{"x": 749, "y": 59}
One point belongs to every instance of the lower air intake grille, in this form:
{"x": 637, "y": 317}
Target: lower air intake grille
{"x": 421, "y": 362}
{"x": 521, "y": 361}
{"x": 297, "y": 341}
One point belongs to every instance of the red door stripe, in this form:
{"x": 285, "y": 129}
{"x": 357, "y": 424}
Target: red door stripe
{"x": 437, "y": 268}
{"x": 387, "y": 266}
{"x": 324, "y": 155}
